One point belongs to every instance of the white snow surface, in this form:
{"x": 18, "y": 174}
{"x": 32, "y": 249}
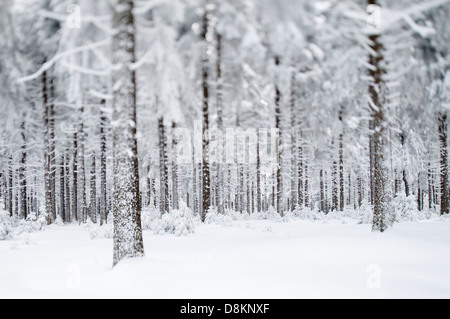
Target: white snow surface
{"x": 250, "y": 258}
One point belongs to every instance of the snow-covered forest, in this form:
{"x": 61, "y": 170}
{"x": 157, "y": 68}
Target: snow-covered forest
{"x": 131, "y": 115}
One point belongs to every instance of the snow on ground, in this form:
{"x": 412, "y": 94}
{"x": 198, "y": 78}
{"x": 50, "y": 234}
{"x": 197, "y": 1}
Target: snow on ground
{"x": 245, "y": 259}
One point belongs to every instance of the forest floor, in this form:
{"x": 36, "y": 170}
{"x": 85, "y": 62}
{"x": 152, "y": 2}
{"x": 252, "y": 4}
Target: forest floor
{"x": 245, "y": 259}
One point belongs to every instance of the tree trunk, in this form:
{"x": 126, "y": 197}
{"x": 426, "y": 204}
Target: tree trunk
{"x": 47, "y": 158}
{"x": 206, "y": 195}
{"x": 175, "y": 192}
{"x": 322, "y": 193}
{"x": 341, "y": 169}
{"x": 22, "y": 175}
{"x": 93, "y": 191}
{"x": 306, "y": 200}
{"x": 377, "y": 90}
{"x": 52, "y": 147}
{"x": 103, "y": 188}
{"x": 128, "y": 240}
{"x": 82, "y": 205}
{"x": 442, "y": 121}
{"x": 62, "y": 190}
{"x": 75, "y": 177}
{"x": 279, "y": 185}
{"x": 10, "y": 188}
{"x": 334, "y": 192}
{"x": 68, "y": 215}
{"x": 163, "y": 169}
{"x": 258, "y": 177}
{"x": 219, "y": 105}
{"x": 294, "y": 160}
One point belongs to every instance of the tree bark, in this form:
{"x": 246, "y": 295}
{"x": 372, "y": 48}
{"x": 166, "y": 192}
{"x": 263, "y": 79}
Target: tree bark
{"x": 22, "y": 175}
{"x": 75, "y": 177}
{"x": 377, "y": 91}
{"x": 62, "y": 190}
{"x": 93, "y": 191}
{"x": 103, "y": 186}
{"x": 163, "y": 169}
{"x": 206, "y": 191}
{"x": 442, "y": 122}
{"x": 47, "y": 151}
{"x": 128, "y": 241}
{"x": 279, "y": 185}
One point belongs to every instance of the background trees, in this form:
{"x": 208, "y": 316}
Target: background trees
{"x": 344, "y": 114}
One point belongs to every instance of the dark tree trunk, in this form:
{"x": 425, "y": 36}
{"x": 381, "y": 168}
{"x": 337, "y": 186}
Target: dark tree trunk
{"x": 206, "y": 191}
{"x": 279, "y": 185}
{"x": 103, "y": 187}
{"x": 62, "y": 190}
{"x": 258, "y": 177}
{"x": 175, "y": 200}
{"x": 93, "y": 191}
{"x": 322, "y": 193}
{"x": 334, "y": 192}
{"x": 82, "y": 206}
{"x": 52, "y": 147}
{"x": 163, "y": 169}
{"x": 10, "y": 188}
{"x": 341, "y": 169}
{"x": 75, "y": 177}
{"x": 68, "y": 213}
{"x": 22, "y": 175}
{"x": 47, "y": 151}
{"x": 220, "y": 166}
{"x": 442, "y": 121}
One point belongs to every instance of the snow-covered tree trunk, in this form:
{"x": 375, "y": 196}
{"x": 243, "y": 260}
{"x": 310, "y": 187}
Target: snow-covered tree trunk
{"x": 82, "y": 205}
{"x": 322, "y": 192}
{"x": 47, "y": 158}
{"x": 335, "y": 189}
{"x": 382, "y": 194}
{"x": 22, "y": 174}
{"x": 306, "y": 189}
{"x": 293, "y": 147}
{"x": 219, "y": 106}
{"x": 258, "y": 176}
{"x": 163, "y": 169}
{"x": 75, "y": 177}
{"x": 128, "y": 241}
{"x": 68, "y": 213}
{"x": 93, "y": 191}
{"x": 206, "y": 179}
{"x": 62, "y": 189}
{"x": 443, "y": 137}
{"x": 279, "y": 185}
{"x": 52, "y": 144}
{"x": 175, "y": 198}
{"x": 103, "y": 188}
{"x": 300, "y": 171}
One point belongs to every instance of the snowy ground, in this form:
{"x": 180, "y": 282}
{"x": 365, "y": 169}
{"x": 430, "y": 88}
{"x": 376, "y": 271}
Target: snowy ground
{"x": 247, "y": 259}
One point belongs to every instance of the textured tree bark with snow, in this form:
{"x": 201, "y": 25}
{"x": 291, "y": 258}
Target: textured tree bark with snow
{"x": 128, "y": 241}
{"x": 22, "y": 174}
{"x": 442, "y": 121}
{"x": 206, "y": 179}
{"x": 103, "y": 189}
{"x": 382, "y": 192}
{"x": 93, "y": 191}
{"x": 279, "y": 185}
{"x": 163, "y": 169}
{"x": 75, "y": 177}
{"x": 47, "y": 160}
{"x": 82, "y": 205}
